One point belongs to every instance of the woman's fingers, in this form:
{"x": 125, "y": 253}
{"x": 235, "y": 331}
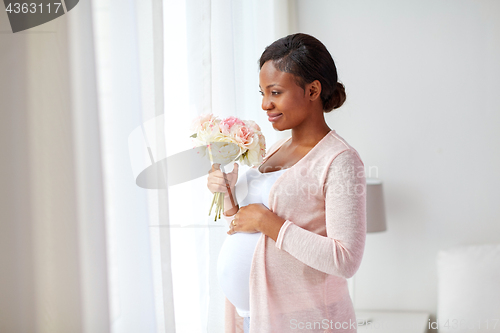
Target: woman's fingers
{"x": 215, "y": 169}
{"x": 233, "y": 224}
{"x": 216, "y": 181}
{"x": 233, "y": 176}
{"x": 231, "y": 228}
{"x": 216, "y": 185}
{"x": 235, "y": 168}
{"x": 215, "y": 173}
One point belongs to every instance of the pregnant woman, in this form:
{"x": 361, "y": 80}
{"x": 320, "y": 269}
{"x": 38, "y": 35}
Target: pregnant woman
{"x": 299, "y": 233}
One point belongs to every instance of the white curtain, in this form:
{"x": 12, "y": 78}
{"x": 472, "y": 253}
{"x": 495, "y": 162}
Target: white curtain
{"x": 53, "y": 239}
{"x": 211, "y": 66}
{"x": 129, "y": 39}
{"x": 210, "y": 52}
{"x": 83, "y": 248}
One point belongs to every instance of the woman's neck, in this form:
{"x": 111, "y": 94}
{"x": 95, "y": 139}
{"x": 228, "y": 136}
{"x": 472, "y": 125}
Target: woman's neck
{"x": 308, "y": 134}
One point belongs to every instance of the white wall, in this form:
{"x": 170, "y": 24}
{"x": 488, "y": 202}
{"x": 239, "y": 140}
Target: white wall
{"x": 423, "y": 107}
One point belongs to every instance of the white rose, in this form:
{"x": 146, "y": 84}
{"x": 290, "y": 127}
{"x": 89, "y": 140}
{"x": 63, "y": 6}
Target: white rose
{"x": 224, "y": 152}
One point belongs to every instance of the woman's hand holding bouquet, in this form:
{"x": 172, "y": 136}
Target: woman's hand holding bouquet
{"x": 227, "y": 140}
{"x": 216, "y": 182}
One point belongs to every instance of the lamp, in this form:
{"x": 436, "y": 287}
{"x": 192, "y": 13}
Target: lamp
{"x": 375, "y": 209}
{"x": 375, "y": 222}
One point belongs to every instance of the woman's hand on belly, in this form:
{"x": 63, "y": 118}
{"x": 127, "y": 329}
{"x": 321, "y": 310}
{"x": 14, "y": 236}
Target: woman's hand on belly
{"x": 256, "y": 218}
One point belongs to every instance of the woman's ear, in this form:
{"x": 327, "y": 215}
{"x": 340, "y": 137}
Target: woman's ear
{"x": 314, "y": 90}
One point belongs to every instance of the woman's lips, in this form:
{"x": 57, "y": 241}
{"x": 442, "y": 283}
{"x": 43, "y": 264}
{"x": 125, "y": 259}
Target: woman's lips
{"x": 272, "y": 118}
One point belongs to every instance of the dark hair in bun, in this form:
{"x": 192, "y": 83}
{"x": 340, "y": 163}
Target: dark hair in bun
{"x": 307, "y": 59}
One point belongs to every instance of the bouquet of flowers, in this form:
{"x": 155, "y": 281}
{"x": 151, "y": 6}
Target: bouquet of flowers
{"x": 228, "y": 140}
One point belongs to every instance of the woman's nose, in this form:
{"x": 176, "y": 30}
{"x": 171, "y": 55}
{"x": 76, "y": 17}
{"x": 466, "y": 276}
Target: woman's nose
{"x": 266, "y": 104}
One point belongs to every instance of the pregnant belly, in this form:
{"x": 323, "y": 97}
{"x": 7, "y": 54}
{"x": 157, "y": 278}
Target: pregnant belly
{"x": 233, "y": 268}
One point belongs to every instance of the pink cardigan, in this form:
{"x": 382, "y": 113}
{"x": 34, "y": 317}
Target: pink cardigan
{"x": 298, "y": 283}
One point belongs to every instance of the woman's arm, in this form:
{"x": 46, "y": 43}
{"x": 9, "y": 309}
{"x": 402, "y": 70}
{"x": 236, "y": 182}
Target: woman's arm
{"x": 339, "y": 253}
{"x": 229, "y": 206}
{"x": 229, "y": 214}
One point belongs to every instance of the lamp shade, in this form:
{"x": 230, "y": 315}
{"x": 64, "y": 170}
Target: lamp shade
{"x": 375, "y": 209}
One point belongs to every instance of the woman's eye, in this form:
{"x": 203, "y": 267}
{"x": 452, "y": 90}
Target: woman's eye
{"x": 272, "y": 92}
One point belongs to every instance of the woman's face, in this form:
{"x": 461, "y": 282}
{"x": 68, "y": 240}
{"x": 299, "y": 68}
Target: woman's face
{"x": 285, "y": 102}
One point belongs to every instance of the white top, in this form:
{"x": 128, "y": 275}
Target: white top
{"x": 235, "y": 257}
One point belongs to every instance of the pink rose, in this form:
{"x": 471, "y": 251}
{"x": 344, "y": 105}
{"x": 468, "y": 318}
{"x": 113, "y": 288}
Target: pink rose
{"x": 242, "y": 134}
{"x": 227, "y": 124}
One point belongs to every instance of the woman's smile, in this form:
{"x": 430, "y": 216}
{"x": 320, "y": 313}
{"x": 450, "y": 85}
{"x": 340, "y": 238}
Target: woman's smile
{"x": 272, "y": 117}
